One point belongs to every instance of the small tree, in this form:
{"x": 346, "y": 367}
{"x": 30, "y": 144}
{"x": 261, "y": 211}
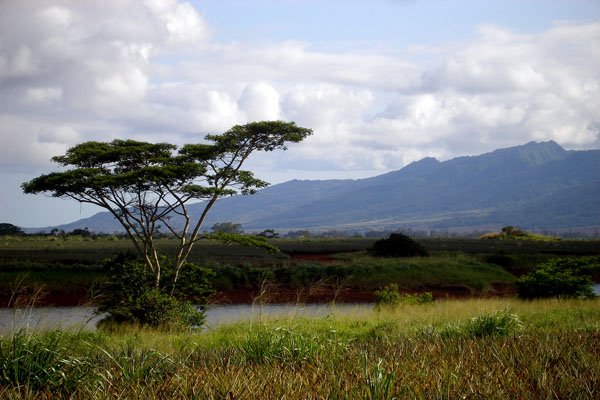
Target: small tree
{"x": 560, "y": 277}
{"x": 398, "y": 245}
{"x": 10, "y": 229}
{"x": 145, "y": 185}
{"x": 268, "y": 233}
{"x": 227, "y": 227}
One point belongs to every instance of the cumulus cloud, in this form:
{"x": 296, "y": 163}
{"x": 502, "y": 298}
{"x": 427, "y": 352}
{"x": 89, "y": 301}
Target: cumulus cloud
{"x": 260, "y": 101}
{"x": 73, "y": 71}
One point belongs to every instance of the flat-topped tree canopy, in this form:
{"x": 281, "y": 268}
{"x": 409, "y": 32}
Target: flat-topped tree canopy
{"x": 143, "y": 184}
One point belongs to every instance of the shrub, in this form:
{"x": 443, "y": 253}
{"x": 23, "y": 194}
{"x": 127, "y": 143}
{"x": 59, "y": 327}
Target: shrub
{"x": 391, "y": 296}
{"x": 561, "y": 277}
{"x": 40, "y": 362}
{"x": 500, "y": 323}
{"x": 131, "y": 296}
{"x": 154, "y": 309}
{"x": 398, "y": 245}
{"x": 266, "y": 345}
{"x": 497, "y": 324}
{"x": 512, "y": 233}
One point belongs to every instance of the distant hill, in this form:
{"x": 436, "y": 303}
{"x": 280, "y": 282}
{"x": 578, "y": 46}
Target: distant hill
{"x": 536, "y": 185}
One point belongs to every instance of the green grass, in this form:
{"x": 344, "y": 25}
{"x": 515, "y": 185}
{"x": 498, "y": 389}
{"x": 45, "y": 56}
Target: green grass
{"x": 73, "y": 264}
{"x": 418, "y": 272}
{"x": 484, "y": 348}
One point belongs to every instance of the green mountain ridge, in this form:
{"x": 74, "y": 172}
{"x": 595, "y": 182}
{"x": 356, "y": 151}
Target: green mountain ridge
{"x": 536, "y": 185}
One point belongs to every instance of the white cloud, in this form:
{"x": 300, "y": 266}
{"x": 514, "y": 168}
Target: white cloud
{"x": 56, "y": 17}
{"x": 73, "y": 71}
{"x": 28, "y": 144}
{"x": 181, "y": 21}
{"x": 44, "y": 94}
{"x": 260, "y": 101}
{"x": 60, "y": 134}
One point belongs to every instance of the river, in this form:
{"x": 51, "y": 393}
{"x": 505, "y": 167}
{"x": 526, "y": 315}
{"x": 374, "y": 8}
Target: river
{"x": 75, "y": 318}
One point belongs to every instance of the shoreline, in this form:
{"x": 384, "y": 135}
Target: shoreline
{"x": 274, "y": 295}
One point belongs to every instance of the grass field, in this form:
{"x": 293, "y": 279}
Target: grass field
{"x": 473, "y": 348}
{"x": 67, "y": 268}
{"x": 477, "y": 348}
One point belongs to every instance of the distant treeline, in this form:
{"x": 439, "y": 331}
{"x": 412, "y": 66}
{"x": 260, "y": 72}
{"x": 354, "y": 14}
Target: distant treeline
{"x": 9, "y": 229}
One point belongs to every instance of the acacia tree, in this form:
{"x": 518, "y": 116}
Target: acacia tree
{"x": 145, "y": 185}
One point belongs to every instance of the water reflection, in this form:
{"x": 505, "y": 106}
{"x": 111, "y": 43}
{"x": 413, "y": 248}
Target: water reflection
{"x": 83, "y": 318}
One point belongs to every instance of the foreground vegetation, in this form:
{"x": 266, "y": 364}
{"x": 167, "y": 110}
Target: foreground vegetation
{"x": 478, "y": 348}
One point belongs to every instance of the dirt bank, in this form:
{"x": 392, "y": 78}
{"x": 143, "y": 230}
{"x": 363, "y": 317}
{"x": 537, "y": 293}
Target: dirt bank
{"x": 269, "y": 295}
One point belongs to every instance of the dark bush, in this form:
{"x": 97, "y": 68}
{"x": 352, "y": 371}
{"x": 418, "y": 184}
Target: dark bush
{"x": 501, "y": 259}
{"x": 398, "y": 245}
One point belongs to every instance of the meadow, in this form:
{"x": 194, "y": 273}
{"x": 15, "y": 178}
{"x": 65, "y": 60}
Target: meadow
{"x": 474, "y": 348}
{"x": 66, "y": 270}
{"x": 485, "y": 345}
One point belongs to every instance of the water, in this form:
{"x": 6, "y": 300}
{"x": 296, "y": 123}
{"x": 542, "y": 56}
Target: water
{"x": 75, "y": 318}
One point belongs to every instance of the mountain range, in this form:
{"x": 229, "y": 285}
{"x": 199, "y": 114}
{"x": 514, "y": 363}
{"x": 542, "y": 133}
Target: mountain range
{"x": 536, "y": 186}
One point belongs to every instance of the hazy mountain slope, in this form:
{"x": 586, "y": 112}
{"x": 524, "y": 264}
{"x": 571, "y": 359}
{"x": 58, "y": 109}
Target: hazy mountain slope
{"x": 534, "y": 185}
{"x": 428, "y": 188}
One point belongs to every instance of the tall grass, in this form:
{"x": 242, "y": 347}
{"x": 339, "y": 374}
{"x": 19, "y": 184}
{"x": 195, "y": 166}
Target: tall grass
{"x": 492, "y": 349}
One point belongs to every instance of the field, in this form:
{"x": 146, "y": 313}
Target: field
{"x": 65, "y": 271}
{"x": 476, "y": 348}
{"x": 475, "y": 340}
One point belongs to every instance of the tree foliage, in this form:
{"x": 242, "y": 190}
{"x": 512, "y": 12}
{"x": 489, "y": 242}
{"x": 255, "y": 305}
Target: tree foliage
{"x": 560, "y": 277}
{"x": 10, "y": 229}
{"x": 511, "y": 233}
{"x": 142, "y": 303}
{"x": 226, "y": 227}
{"x": 146, "y": 185}
{"x": 398, "y": 245}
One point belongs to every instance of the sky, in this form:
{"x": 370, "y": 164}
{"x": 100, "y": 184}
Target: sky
{"x": 382, "y": 83}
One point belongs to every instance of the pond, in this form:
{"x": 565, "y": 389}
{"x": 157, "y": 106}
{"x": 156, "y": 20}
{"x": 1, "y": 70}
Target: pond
{"x": 75, "y": 318}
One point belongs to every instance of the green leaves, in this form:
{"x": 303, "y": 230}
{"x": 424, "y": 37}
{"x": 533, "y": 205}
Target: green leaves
{"x": 121, "y": 153}
{"x": 195, "y": 170}
{"x": 262, "y": 135}
{"x": 560, "y": 277}
{"x": 145, "y": 185}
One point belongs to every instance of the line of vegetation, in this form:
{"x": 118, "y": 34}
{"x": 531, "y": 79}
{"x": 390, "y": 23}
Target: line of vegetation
{"x": 561, "y": 277}
{"x": 486, "y": 348}
{"x": 147, "y": 188}
{"x": 72, "y": 266}
{"x": 512, "y": 233}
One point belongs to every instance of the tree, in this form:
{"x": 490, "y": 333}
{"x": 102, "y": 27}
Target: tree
{"x": 560, "y": 277}
{"x": 145, "y": 185}
{"x": 81, "y": 232}
{"x": 398, "y": 245}
{"x": 268, "y": 233}
{"x": 227, "y": 227}
{"x": 10, "y": 229}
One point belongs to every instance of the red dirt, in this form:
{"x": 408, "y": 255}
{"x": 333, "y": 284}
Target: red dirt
{"x": 276, "y": 295}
